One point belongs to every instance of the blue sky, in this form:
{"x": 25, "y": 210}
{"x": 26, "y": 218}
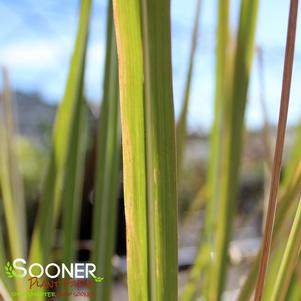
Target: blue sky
{"x": 36, "y": 40}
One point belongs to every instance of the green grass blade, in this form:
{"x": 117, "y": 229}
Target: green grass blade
{"x": 160, "y": 150}
{"x": 266, "y": 130}
{"x": 289, "y": 260}
{"x": 248, "y": 286}
{"x": 294, "y": 291}
{"x": 274, "y": 265}
{"x": 287, "y": 199}
{"x": 11, "y": 187}
{"x": 221, "y": 94}
{"x": 213, "y": 183}
{"x": 285, "y": 213}
{"x": 285, "y": 95}
{"x": 11, "y": 182}
{"x": 107, "y": 169}
{"x": 6, "y": 285}
{"x": 148, "y": 147}
{"x": 73, "y": 185}
{"x": 232, "y": 147}
{"x": 63, "y": 129}
{"x": 193, "y": 287}
{"x": 129, "y": 47}
{"x": 291, "y": 184}
{"x": 181, "y": 130}
{"x": 294, "y": 157}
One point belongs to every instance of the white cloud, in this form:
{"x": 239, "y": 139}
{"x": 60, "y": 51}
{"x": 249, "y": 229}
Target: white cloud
{"x": 31, "y": 55}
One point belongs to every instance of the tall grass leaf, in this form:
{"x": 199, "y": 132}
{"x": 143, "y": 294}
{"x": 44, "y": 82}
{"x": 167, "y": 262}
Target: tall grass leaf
{"x": 294, "y": 290}
{"x": 274, "y": 265}
{"x": 107, "y": 168}
{"x": 72, "y": 194}
{"x": 148, "y": 130}
{"x": 65, "y": 124}
{"x": 266, "y": 131}
{"x": 289, "y": 260}
{"x": 6, "y": 285}
{"x": 246, "y": 290}
{"x": 11, "y": 184}
{"x": 232, "y": 146}
{"x": 212, "y": 189}
{"x": 289, "y": 201}
{"x": 266, "y": 134}
{"x": 287, "y": 204}
{"x": 160, "y": 150}
{"x": 127, "y": 21}
{"x": 181, "y": 129}
{"x": 287, "y": 75}
{"x": 294, "y": 157}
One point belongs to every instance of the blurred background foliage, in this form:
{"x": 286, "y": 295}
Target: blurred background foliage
{"x": 61, "y": 171}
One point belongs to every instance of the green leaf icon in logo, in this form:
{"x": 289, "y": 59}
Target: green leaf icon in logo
{"x": 98, "y": 279}
{"x": 9, "y": 270}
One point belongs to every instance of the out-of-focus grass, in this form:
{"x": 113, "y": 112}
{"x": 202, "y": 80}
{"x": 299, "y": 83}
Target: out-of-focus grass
{"x": 11, "y": 183}
{"x": 32, "y": 162}
{"x": 107, "y": 168}
{"x": 181, "y": 128}
{"x": 232, "y": 78}
{"x": 149, "y": 162}
{"x": 64, "y": 136}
